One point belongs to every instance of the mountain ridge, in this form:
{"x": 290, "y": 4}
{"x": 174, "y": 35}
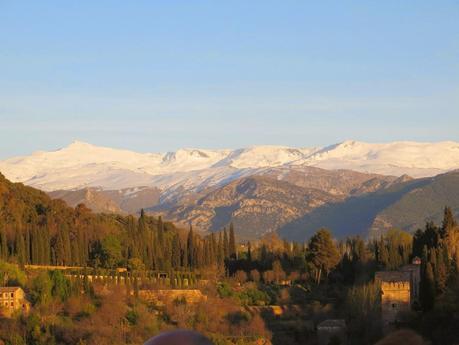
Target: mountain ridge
{"x": 289, "y": 187}
{"x": 82, "y": 165}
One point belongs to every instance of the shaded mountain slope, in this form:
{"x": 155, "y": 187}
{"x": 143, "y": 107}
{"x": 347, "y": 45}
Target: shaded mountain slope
{"x": 421, "y": 204}
{"x": 406, "y": 205}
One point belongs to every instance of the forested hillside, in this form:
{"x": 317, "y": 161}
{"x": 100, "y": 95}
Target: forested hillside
{"x": 35, "y": 229}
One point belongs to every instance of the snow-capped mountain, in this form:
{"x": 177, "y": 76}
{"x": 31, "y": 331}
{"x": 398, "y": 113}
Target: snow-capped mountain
{"x": 81, "y": 165}
{"x": 395, "y": 158}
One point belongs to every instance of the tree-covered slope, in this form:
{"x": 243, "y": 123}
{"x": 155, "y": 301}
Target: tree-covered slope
{"x": 35, "y": 229}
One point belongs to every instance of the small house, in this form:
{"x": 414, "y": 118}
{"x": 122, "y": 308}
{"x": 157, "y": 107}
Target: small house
{"x": 12, "y": 299}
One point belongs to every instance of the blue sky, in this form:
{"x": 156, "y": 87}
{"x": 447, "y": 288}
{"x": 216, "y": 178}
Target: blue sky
{"x": 159, "y": 75}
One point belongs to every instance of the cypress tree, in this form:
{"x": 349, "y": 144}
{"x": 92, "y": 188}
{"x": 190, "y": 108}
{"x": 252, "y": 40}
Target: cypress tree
{"x": 441, "y": 274}
{"x": 448, "y": 221}
{"x": 232, "y": 243}
{"x": 199, "y": 258}
{"x": 167, "y": 255}
{"x": 220, "y": 250}
{"x": 383, "y": 253}
{"x": 214, "y": 249}
{"x": 160, "y": 231}
{"x": 428, "y": 288}
{"x": 27, "y": 246}
{"x": 185, "y": 256}
{"x": 46, "y": 247}
{"x": 3, "y": 245}
{"x": 20, "y": 247}
{"x": 225, "y": 244}
{"x": 175, "y": 259}
{"x": 249, "y": 252}
{"x": 191, "y": 248}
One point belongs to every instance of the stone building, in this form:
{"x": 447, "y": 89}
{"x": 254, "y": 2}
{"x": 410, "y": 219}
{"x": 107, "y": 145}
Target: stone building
{"x": 399, "y": 291}
{"x": 414, "y": 269}
{"x": 12, "y": 299}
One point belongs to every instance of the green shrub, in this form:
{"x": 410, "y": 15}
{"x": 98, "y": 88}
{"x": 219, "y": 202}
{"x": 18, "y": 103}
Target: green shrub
{"x": 224, "y": 290}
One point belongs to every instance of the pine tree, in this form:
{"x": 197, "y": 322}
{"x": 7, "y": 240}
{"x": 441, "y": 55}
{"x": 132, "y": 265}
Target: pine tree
{"x": 67, "y": 247}
{"x": 323, "y": 253}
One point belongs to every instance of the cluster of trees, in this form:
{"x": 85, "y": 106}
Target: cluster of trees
{"x": 437, "y": 246}
{"x": 37, "y": 230}
{"x": 323, "y": 258}
{"x": 73, "y": 311}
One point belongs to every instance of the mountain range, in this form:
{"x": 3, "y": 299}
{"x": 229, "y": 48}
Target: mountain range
{"x": 261, "y": 189}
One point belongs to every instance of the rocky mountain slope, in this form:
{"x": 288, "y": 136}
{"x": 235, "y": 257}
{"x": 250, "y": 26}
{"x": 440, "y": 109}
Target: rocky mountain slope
{"x": 128, "y": 200}
{"x": 264, "y": 203}
{"x": 405, "y": 204}
{"x": 256, "y": 205}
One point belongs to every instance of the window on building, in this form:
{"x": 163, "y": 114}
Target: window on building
{"x": 12, "y": 304}
{"x": 12, "y": 294}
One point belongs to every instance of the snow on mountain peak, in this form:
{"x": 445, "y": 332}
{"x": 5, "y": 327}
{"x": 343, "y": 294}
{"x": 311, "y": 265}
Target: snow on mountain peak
{"x": 261, "y": 156}
{"x": 79, "y": 144}
{"x": 82, "y": 164}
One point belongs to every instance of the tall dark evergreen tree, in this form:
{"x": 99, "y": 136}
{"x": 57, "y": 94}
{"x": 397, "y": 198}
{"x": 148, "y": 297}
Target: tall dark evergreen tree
{"x": 20, "y": 247}
{"x": 3, "y": 245}
{"x": 185, "y": 262}
{"x": 191, "y": 249}
{"x": 441, "y": 273}
{"x": 225, "y": 244}
{"x": 428, "y": 288}
{"x": 220, "y": 250}
{"x": 160, "y": 231}
{"x": 232, "y": 243}
{"x": 448, "y": 221}
{"x": 249, "y": 252}
{"x": 176, "y": 252}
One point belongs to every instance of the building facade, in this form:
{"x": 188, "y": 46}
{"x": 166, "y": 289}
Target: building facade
{"x": 12, "y": 299}
{"x": 399, "y": 291}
